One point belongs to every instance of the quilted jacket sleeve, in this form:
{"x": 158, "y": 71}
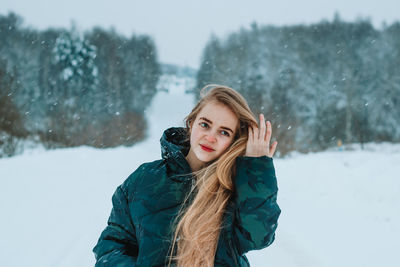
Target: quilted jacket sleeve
{"x": 256, "y": 212}
{"x": 117, "y": 245}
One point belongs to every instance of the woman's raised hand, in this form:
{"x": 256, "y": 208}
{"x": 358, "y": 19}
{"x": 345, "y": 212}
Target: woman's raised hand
{"x": 259, "y": 138}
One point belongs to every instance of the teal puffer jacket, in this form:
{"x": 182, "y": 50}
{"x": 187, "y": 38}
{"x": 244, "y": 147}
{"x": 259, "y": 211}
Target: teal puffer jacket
{"x": 139, "y": 228}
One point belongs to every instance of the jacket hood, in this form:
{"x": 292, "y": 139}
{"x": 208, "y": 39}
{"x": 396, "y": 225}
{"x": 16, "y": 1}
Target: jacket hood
{"x": 174, "y": 148}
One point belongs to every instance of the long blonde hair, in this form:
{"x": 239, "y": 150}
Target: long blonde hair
{"x": 199, "y": 226}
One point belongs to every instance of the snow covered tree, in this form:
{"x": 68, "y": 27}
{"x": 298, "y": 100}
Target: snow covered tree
{"x": 383, "y": 99}
{"x": 74, "y": 57}
{"x": 11, "y": 120}
{"x": 76, "y": 79}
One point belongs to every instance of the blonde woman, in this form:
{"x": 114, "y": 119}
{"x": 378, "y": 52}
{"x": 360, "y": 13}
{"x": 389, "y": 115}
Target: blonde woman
{"x": 208, "y": 201}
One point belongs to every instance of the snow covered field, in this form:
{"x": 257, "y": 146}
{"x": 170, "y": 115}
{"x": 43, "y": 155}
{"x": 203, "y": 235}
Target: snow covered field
{"x": 339, "y": 208}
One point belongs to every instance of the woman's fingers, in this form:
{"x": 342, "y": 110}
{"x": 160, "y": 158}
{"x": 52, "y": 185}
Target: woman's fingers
{"x": 262, "y": 127}
{"x": 259, "y": 139}
{"x": 269, "y": 132}
{"x": 273, "y": 148}
{"x": 256, "y": 132}
{"x": 251, "y": 134}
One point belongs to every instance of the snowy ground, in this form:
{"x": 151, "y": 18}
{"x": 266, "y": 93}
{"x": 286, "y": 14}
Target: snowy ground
{"x": 339, "y": 208}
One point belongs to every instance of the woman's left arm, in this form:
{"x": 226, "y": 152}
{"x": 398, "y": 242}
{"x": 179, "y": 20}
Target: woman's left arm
{"x": 256, "y": 213}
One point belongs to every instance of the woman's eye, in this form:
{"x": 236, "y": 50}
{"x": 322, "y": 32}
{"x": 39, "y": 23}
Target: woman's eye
{"x": 225, "y": 133}
{"x": 203, "y": 124}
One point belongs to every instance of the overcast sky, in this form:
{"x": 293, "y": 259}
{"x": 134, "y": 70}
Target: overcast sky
{"x": 181, "y": 28}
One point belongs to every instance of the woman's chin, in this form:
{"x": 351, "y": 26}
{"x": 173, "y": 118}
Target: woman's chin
{"x": 204, "y": 157}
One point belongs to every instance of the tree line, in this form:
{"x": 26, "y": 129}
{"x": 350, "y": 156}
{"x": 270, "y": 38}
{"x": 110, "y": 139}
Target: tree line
{"x": 67, "y": 88}
{"x": 318, "y": 84}
{"x": 321, "y": 84}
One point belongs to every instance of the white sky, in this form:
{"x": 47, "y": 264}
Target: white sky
{"x": 181, "y": 28}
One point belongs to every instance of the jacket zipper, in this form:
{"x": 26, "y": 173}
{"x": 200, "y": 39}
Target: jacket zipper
{"x": 233, "y": 253}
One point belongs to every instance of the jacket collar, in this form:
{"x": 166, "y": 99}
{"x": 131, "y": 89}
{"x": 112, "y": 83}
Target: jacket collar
{"x": 174, "y": 147}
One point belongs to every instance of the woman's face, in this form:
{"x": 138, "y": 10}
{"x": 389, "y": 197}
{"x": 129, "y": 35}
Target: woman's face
{"x": 212, "y": 132}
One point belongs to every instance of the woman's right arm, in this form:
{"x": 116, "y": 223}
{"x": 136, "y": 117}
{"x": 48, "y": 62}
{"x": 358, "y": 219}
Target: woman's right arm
{"x": 117, "y": 245}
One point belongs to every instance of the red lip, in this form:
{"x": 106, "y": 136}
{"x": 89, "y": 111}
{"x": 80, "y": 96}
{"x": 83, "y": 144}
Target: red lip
{"x": 205, "y": 148}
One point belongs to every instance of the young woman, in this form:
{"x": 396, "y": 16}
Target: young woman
{"x": 208, "y": 201}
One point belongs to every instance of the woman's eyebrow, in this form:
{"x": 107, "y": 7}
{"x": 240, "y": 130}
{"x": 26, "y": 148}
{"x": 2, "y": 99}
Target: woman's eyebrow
{"x": 210, "y": 122}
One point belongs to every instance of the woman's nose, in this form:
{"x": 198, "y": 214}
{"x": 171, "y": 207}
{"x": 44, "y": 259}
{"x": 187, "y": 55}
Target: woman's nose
{"x": 211, "y": 138}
